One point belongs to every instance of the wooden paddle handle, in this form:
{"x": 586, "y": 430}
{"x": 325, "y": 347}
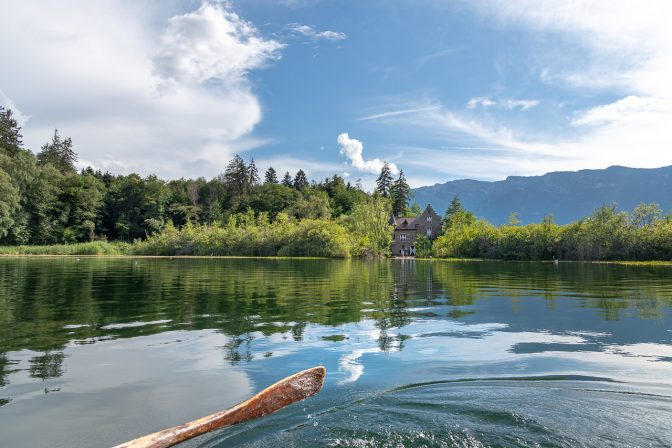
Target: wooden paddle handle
{"x": 285, "y": 392}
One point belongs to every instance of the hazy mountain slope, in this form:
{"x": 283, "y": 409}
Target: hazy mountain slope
{"x": 566, "y": 195}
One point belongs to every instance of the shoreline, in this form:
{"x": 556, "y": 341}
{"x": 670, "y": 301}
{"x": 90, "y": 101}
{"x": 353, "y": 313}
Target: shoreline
{"x": 249, "y": 257}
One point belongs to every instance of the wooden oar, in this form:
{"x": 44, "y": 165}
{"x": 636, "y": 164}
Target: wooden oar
{"x": 285, "y": 392}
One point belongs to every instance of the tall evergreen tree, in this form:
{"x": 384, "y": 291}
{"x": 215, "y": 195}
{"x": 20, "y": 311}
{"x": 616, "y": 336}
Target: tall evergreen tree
{"x": 271, "y": 177}
{"x": 10, "y": 132}
{"x": 236, "y": 178}
{"x": 300, "y": 180}
{"x": 385, "y": 180}
{"x": 457, "y": 215}
{"x": 401, "y": 194}
{"x": 453, "y": 209}
{"x": 59, "y": 153}
{"x": 252, "y": 174}
{"x": 287, "y": 180}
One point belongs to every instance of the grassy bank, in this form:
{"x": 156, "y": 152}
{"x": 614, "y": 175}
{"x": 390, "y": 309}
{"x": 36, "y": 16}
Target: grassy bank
{"x": 93, "y": 248}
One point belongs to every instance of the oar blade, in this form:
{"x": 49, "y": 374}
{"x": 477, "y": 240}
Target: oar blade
{"x": 283, "y": 393}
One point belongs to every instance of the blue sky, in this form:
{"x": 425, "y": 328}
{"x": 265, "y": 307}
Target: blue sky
{"x": 443, "y": 90}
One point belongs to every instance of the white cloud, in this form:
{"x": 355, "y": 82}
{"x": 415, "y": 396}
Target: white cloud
{"x": 100, "y": 85}
{"x": 310, "y": 32}
{"x": 353, "y": 150}
{"x": 620, "y": 49}
{"x": 7, "y": 103}
{"x": 485, "y": 102}
{"x": 397, "y": 112}
{"x": 480, "y": 101}
{"x": 212, "y": 43}
{"x": 626, "y": 110}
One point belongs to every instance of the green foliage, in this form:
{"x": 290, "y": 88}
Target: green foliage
{"x": 384, "y": 181}
{"x": 401, "y": 194}
{"x": 300, "y": 180}
{"x": 10, "y": 133}
{"x": 9, "y": 202}
{"x": 606, "y": 235}
{"x": 134, "y": 207}
{"x": 58, "y": 153}
{"x": 369, "y": 227}
{"x": 93, "y": 248}
{"x": 313, "y": 204}
{"x": 457, "y": 215}
{"x": 423, "y": 246}
{"x": 245, "y": 235}
{"x": 271, "y": 177}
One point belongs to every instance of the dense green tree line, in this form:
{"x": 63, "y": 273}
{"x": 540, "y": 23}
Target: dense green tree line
{"x": 45, "y": 201}
{"x": 608, "y": 234}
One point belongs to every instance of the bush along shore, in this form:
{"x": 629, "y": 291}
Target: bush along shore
{"x": 607, "y": 235}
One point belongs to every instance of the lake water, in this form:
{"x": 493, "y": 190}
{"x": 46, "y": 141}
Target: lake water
{"x": 94, "y": 352}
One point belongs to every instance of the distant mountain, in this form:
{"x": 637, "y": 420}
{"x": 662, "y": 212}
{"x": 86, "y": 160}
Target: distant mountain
{"x": 567, "y": 195}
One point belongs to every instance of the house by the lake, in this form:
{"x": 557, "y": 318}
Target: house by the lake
{"x": 407, "y": 230}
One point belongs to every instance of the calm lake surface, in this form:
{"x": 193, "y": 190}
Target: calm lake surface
{"x": 94, "y": 352}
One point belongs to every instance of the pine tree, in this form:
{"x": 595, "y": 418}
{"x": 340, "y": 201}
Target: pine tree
{"x": 10, "y": 132}
{"x": 300, "y": 180}
{"x": 59, "y": 153}
{"x": 401, "y": 194}
{"x": 457, "y": 215}
{"x": 236, "y": 177}
{"x": 252, "y": 174}
{"x": 271, "y": 176}
{"x": 287, "y": 180}
{"x": 385, "y": 180}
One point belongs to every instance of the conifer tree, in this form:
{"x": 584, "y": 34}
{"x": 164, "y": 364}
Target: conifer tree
{"x": 236, "y": 177}
{"x": 401, "y": 194}
{"x": 252, "y": 174}
{"x": 59, "y": 153}
{"x": 271, "y": 176}
{"x": 300, "y": 180}
{"x": 287, "y": 180}
{"x": 385, "y": 180}
{"x": 10, "y": 132}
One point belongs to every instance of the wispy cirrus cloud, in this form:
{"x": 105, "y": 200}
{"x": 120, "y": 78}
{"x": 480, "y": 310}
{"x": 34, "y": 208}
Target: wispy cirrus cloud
{"x": 394, "y": 113}
{"x": 486, "y": 102}
{"x": 588, "y": 51}
{"x": 312, "y": 33}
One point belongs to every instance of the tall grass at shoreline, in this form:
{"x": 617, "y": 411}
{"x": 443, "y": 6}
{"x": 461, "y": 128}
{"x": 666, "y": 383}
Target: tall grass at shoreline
{"x": 92, "y": 248}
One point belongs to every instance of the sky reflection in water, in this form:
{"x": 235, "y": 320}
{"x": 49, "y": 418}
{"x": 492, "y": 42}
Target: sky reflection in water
{"x": 94, "y": 352}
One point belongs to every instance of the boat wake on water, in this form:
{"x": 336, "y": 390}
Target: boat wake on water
{"x": 555, "y": 410}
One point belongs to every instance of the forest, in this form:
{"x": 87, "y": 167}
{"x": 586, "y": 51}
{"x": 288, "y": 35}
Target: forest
{"x": 48, "y": 207}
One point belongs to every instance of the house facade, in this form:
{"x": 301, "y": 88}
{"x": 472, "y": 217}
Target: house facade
{"x": 407, "y": 230}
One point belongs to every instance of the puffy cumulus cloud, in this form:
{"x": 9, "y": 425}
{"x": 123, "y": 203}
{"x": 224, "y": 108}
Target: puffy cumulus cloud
{"x": 139, "y": 86}
{"x": 312, "y": 33}
{"x": 353, "y": 149}
{"x": 212, "y": 43}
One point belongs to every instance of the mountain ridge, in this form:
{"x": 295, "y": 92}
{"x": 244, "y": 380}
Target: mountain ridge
{"x": 567, "y": 195}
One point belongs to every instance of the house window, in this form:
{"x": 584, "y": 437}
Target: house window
{"x": 429, "y": 219}
{"x": 429, "y": 233}
{"x": 402, "y": 237}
